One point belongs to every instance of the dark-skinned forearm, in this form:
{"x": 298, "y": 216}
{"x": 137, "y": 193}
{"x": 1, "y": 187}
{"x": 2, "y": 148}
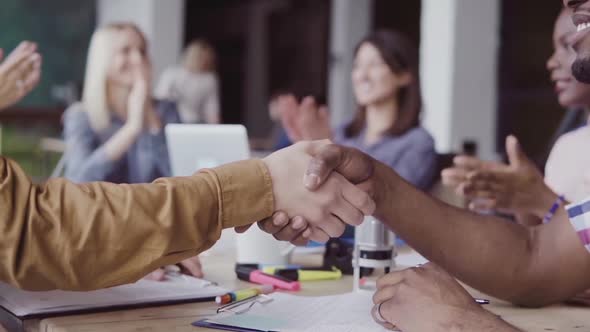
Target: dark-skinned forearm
{"x": 487, "y": 253}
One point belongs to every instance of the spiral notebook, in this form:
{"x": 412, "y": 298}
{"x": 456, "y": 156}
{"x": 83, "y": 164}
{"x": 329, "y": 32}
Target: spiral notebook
{"x": 288, "y": 313}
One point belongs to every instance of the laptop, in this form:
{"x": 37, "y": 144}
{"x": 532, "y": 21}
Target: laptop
{"x": 192, "y": 147}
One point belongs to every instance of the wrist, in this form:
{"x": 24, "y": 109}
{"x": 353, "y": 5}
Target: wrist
{"x": 384, "y": 183}
{"x": 477, "y": 320}
{"x": 133, "y": 128}
{"x": 545, "y": 203}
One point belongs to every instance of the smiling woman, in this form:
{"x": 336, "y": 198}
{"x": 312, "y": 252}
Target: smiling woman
{"x": 386, "y": 86}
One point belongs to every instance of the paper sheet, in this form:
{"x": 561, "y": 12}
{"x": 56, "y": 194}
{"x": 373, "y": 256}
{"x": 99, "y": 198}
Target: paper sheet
{"x": 23, "y": 303}
{"x": 286, "y": 313}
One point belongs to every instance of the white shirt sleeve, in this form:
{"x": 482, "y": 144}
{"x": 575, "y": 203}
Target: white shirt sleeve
{"x": 165, "y": 87}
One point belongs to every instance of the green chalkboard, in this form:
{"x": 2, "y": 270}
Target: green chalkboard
{"x": 62, "y": 28}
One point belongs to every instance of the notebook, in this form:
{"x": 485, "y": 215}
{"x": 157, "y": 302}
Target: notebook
{"x": 174, "y": 290}
{"x": 288, "y": 313}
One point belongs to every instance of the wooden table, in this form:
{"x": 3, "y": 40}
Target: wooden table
{"x": 179, "y": 317}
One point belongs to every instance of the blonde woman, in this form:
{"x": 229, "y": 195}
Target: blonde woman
{"x": 193, "y": 85}
{"x": 115, "y": 133}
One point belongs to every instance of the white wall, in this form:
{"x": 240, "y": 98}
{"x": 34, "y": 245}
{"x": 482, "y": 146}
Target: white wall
{"x": 351, "y": 20}
{"x": 161, "y": 21}
{"x": 459, "y": 72}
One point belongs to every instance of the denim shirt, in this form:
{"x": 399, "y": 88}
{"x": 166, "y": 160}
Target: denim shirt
{"x": 86, "y": 159}
{"x": 411, "y": 155}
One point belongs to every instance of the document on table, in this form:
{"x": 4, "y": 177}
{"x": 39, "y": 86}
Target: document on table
{"x": 286, "y": 313}
{"x": 144, "y": 292}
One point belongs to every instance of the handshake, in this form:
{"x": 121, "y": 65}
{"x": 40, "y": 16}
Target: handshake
{"x": 319, "y": 188}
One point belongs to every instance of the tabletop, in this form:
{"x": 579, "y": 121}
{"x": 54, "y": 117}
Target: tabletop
{"x": 178, "y": 318}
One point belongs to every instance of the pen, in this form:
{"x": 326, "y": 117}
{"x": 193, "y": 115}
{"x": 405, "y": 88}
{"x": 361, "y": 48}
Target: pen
{"x": 482, "y": 301}
{"x": 242, "y": 294}
{"x": 263, "y": 267}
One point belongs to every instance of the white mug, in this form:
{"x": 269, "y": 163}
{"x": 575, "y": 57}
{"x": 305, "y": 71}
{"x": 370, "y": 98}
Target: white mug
{"x": 258, "y": 247}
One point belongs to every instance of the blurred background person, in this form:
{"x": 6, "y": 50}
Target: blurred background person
{"x": 386, "y": 85}
{"x": 193, "y": 85}
{"x": 519, "y": 187}
{"x": 115, "y": 133}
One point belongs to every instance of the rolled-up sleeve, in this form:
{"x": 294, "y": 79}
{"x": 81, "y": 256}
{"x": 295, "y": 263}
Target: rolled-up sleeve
{"x": 85, "y": 159}
{"x": 61, "y": 235}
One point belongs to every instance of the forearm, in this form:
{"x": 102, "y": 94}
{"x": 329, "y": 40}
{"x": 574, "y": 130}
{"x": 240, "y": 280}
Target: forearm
{"x": 487, "y": 253}
{"x": 82, "y": 237}
{"x": 483, "y": 321}
{"x": 121, "y": 141}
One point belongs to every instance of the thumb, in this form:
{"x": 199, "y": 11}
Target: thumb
{"x": 1, "y": 55}
{"x": 516, "y": 156}
{"x": 354, "y": 165}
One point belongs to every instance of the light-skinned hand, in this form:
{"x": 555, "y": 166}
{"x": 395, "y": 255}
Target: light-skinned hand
{"x": 327, "y": 209}
{"x": 139, "y": 102}
{"x": 295, "y": 230}
{"x": 190, "y": 266}
{"x": 351, "y": 163}
{"x": 304, "y": 121}
{"x": 20, "y": 72}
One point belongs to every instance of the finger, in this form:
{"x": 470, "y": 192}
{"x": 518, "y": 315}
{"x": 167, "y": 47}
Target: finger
{"x": 1, "y": 54}
{"x": 31, "y": 78}
{"x": 483, "y": 185}
{"x": 354, "y": 165}
{"x": 308, "y": 110}
{"x": 157, "y": 275}
{"x": 467, "y": 162}
{"x": 453, "y": 176}
{"x": 483, "y": 205}
{"x": 483, "y": 176}
{"x": 192, "y": 266}
{"x": 274, "y": 224}
{"x": 289, "y": 113}
{"x": 355, "y": 205}
{"x": 303, "y": 238}
{"x": 385, "y": 293}
{"x": 481, "y": 194}
{"x": 319, "y": 235}
{"x": 378, "y": 313}
{"x": 516, "y": 156}
{"x": 16, "y": 58}
{"x": 333, "y": 225}
{"x": 292, "y": 231}
{"x": 243, "y": 229}
{"x": 34, "y": 71}
{"x": 390, "y": 279}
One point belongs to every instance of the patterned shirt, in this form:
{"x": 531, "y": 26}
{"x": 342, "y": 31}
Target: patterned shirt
{"x": 579, "y": 214}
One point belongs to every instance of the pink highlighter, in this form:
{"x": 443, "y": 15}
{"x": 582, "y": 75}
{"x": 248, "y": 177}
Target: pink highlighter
{"x": 256, "y": 276}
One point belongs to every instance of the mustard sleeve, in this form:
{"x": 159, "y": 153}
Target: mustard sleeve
{"x": 61, "y": 235}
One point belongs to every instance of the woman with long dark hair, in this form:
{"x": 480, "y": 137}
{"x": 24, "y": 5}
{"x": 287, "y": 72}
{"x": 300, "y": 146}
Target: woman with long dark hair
{"x": 386, "y": 85}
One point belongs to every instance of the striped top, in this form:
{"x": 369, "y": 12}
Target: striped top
{"x": 579, "y": 215}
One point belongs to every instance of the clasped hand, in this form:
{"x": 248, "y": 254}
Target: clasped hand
{"x": 319, "y": 188}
